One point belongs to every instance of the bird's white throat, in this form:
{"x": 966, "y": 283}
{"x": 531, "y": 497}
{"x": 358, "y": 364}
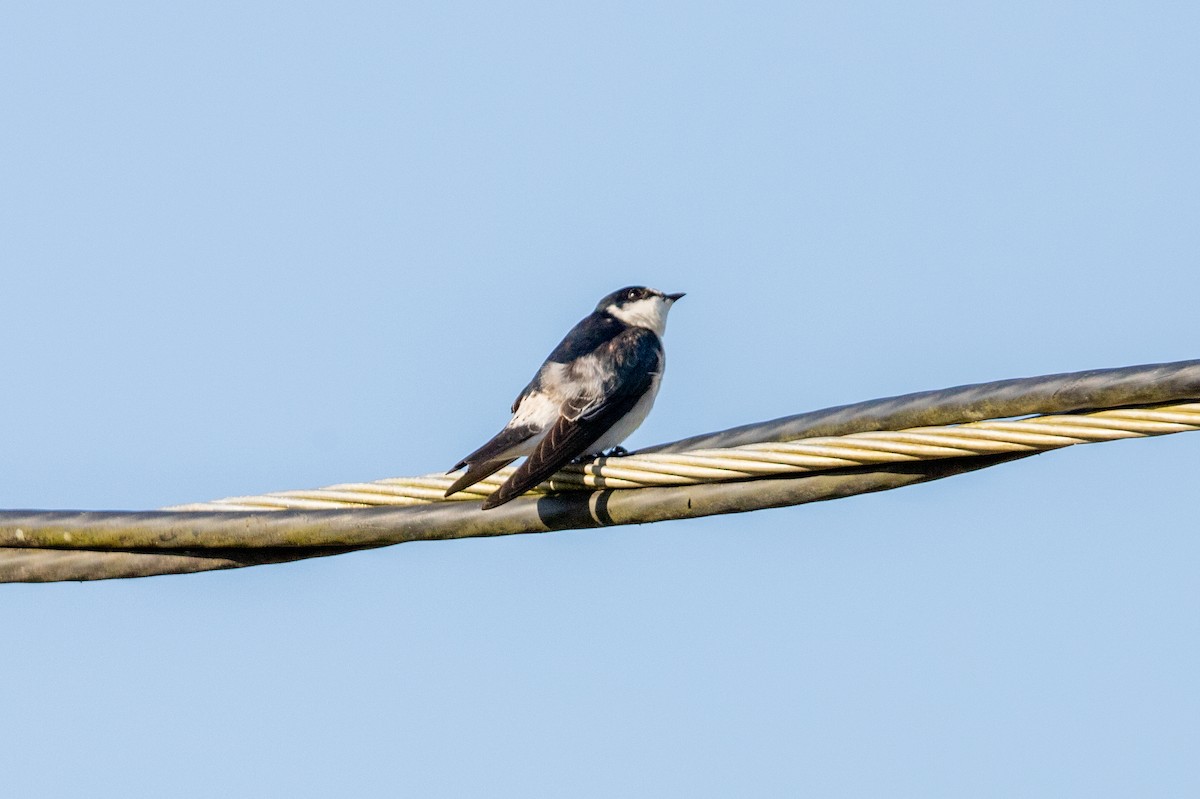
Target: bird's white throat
{"x": 650, "y": 313}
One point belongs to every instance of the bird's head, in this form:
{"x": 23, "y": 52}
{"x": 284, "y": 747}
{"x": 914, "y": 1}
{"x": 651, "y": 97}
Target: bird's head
{"x": 640, "y": 306}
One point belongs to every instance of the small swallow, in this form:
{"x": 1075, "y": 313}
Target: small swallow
{"x": 594, "y": 389}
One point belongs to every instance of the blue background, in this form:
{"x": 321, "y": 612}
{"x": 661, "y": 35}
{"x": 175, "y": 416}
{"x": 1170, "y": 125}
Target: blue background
{"x": 248, "y": 247}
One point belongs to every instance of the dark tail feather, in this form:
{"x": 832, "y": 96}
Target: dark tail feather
{"x": 520, "y": 482}
{"x": 543, "y": 463}
{"x": 475, "y": 473}
{"x": 496, "y": 499}
{"x": 489, "y": 459}
{"x": 503, "y": 441}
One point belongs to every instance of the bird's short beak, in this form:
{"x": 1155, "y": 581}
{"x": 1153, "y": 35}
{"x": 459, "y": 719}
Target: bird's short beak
{"x": 673, "y": 297}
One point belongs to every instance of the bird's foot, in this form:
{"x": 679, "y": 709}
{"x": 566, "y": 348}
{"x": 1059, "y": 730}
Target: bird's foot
{"x": 588, "y": 457}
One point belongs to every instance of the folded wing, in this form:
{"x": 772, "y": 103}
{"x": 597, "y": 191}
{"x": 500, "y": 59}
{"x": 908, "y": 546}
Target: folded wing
{"x": 637, "y": 354}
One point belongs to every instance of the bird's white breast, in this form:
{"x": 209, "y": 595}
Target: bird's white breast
{"x": 630, "y": 421}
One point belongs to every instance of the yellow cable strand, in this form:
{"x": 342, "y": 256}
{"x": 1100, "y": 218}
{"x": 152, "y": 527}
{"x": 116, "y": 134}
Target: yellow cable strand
{"x": 756, "y": 460}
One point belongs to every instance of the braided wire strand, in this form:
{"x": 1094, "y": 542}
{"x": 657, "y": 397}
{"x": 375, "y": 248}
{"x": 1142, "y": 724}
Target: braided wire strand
{"x": 750, "y": 461}
{"x": 814, "y": 456}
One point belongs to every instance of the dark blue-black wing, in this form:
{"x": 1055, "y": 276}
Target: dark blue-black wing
{"x": 637, "y": 356}
{"x": 594, "y": 331}
{"x": 589, "y": 334}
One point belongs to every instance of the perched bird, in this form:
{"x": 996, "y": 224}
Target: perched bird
{"x": 594, "y": 389}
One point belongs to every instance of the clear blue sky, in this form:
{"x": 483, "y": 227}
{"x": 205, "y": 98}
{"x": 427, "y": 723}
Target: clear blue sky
{"x": 249, "y": 247}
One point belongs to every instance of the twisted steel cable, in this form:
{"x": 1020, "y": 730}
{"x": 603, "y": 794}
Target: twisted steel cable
{"x": 750, "y": 461}
{"x": 838, "y": 452}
